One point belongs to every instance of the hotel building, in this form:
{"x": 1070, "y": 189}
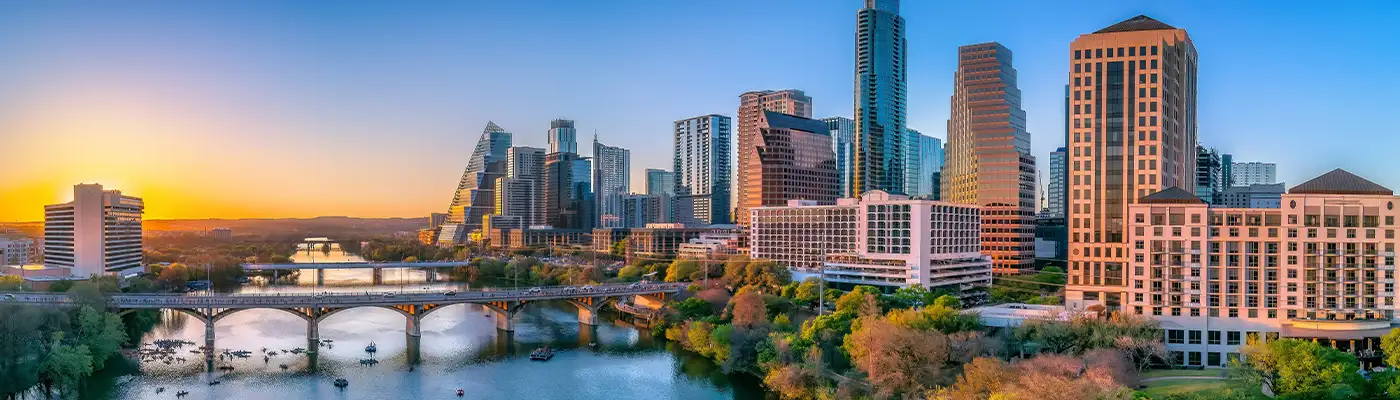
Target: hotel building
{"x": 1321, "y": 266}
{"x": 97, "y": 233}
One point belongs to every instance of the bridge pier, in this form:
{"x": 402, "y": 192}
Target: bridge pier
{"x": 431, "y": 274}
{"x": 505, "y": 311}
{"x": 378, "y": 276}
{"x": 209, "y": 343}
{"x": 313, "y": 342}
{"x": 321, "y": 276}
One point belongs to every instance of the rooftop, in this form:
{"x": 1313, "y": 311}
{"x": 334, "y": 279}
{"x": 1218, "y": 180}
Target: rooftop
{"x": 1138, "y": 23}
{"x": 785, "y": 121}
{"x": 1339, "y": 181}
{"x": 1171, "y": 195}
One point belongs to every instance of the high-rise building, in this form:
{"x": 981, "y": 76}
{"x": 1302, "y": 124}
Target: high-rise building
{"x": 792, "y": 161}
{"x": 660, "y": 181}
{"x": 881, "y": 142}
{"x": 475, "y": 196}
{"x": 612, "y": 178}
{"x": 1134, "y": 134}
{"x": 1320, "y": 266}
{"x": 930, "y": 163}
{"x": 436, "y": 219}
{"x": 801, "y": 233}
{"x": 638, "y": 210}
{"x": 97, "y": 233}
{"x": 1253, "y": 196}
{"x": 520, "y": 193}
{"x": 1210, "y": 183}
{"x": 702, "y": 170}
{"x": 1055, "y": 197}
{"x": 1227, "y": 169}
{"x": 562, "y": 137}
{"x": 913, "y": 163}
{"x": 1253, "y": 173}
{"x": 843, "y": 137}
{"x": 760, "y": 156}
{"x": 568, "y": 191}
{"x": 988, "y": 161}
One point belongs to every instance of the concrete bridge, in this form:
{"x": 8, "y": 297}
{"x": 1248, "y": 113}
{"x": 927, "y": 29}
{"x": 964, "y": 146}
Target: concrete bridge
{"x": 413, "y": 305}
{"x": 378, "y": 267}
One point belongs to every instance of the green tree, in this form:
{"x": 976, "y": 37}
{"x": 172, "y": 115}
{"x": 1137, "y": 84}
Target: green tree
{"x": 806, "y": 292}
{"x": 630, "y": 273}
{"x": 1298, "y": 369}
{"x": 1390, "y": 345}
{"x": 949, "y": 301}
{"x": 65, "y": 365}
{"x": 681, "y": 270}
{"x": 101, "y": 333}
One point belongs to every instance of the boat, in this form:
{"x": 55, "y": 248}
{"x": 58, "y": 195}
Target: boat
{"x": 542, "y": 354}
{"x": 461, "y": 393}
{"x": 341, "y": 383}
{"x": 371, "y": 348}
{"x": 283, "y": 366}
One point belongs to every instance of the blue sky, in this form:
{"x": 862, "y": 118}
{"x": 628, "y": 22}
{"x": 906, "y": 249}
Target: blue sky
{"x": 385, "y": 100}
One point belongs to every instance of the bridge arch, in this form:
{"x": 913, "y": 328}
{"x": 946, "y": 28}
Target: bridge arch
{"x": 329, "y": 312}
{"x": 221, "y": 314}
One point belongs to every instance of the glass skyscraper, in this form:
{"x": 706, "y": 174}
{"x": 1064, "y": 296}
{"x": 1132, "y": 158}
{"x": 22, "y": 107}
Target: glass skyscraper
{"x": 881, "y": 141}
{"x": 843, "y": 136}
{"x": 475, "y": 195}
{"x": 562, "y": 136}
{"x": 611, "y": 177}
{"x": 702, "y": 170}
{"x": 930, "y": 162}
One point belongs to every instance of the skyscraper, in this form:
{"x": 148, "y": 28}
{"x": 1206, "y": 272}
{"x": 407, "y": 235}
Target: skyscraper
{"x": 793, "y": 161}
{"x": 520, "y": 193}
{"x": 1055, "y": 197}
{"x": 930, "y": 163}
{"x": 881, "y": 142}
{"x": 97, "y": 233}
{"x": 660, "y": 181}
{"x": 777, "y": 158}
{"x": 1134, "y": 134}
{"x": 1253, "y": 173}
{"x": 562, "y": 138}
{"x": 989, "y": 162}
{"x": 702, "y": 170}
{"x": 612, "y": 178}
{"x": 913, "y": 163}
{"x": 1210, "y": 183}
{"x": 475, "y": 196}
{"x": 843, "y": 136}
{"x": 568, "y": 191}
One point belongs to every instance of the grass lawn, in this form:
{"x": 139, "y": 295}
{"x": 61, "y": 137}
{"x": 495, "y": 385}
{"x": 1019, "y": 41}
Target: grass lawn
{"x": 1160, "y": 388}
{"x": 1158, "y": 373}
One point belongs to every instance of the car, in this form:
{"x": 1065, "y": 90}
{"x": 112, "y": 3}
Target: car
{"x": 534, "y": 290}
{"x": 388, "y": 294}
{"x": 588, "y": 288}
{"x": 8, "y": 297}
{"x": 636, "y": 285}
{"x": 570, "y": 289}
{"x": 449, "y": 293}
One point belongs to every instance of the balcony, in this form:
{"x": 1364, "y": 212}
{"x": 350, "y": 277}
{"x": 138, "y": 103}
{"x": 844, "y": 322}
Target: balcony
{"x": 1387, "y": 294}
{"x": 1387, "y": 280}
{"x": 1193, "y": 265}
{"x": 1193, "y": 279}
{"x": 1386, "y": 267}
{"x": 1193, "y": 291}
{"x": 1387, "y": 254}
{"x": 1193, "y": 304}
{"x": 1387, "y": 307}
{"x": 1194, "y": 251}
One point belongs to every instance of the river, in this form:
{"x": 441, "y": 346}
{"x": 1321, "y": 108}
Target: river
{"x": 460, "y": 348}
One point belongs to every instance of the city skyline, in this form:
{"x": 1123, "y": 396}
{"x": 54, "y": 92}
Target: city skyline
{"x": 227, "y": 141}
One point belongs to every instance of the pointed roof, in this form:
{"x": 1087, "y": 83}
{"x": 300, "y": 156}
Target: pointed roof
{"x": 1171, "y": 195}
{"x": 1339, "y": 181}
{"x": 1138, "y": 23}
{"x": 491, "y": 127}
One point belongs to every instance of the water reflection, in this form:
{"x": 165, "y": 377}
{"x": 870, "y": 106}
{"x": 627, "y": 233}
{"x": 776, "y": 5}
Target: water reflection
{"x": 459, "y": 348}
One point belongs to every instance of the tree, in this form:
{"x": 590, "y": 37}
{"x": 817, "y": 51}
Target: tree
{"x": 749, "y": 309}
{"x": 806, "y": 292}
{"x": 173, "y": 276}
{"x": 681, "y": 270}
{"x": 895, "y": 359}
{"x": 694, "y": 308}
{"x": 948, "y": 301}
{"x": 630, "y": 273}
{"x": 101, "y": 333}
{"x": 981, "y": 379}
{"x": 1390, "y": 345}
{"x": 1298, "y": 369}
{"x": 65, "y": 365}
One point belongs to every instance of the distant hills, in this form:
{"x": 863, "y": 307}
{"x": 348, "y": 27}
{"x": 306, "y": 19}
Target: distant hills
{"x": 309, "y": 227}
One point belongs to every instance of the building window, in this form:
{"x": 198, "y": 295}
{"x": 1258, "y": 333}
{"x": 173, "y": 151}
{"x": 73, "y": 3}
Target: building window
{"x": 1232, "y": 338}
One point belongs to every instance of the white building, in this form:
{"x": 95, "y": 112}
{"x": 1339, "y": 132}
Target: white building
{"x": 711, "y": 245}
{"x": 16, "y": 251}
{"x": 1253, "y": 173}
{"x": 97, "y": 233}
{"x": 879, "y": 239}
{"x": 703, "y": 170}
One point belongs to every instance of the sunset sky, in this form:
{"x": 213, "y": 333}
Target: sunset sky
{"x": 300, "y": 109}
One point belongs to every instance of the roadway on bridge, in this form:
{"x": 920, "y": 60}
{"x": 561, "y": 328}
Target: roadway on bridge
{"x": 356, "y": 265}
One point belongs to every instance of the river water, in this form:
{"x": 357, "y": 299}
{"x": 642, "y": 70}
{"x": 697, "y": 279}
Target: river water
{"x": 460, "y": 348}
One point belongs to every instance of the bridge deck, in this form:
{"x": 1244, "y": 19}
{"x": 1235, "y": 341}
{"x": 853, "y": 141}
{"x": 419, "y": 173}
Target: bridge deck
{"x": 357, "y": 265}
{"x": 346, "y": 299}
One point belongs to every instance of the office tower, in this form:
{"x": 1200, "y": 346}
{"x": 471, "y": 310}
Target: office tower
{"x": 988, "y": 161}
{"x": 843, "y": 137}
{"x": 562, "y": 138}
{"x": 1253, "y": 173}
{"x": 881, "y": 142}
{"x": 1134, "y": 134}
{"x": 660, "y": 181}
{"x": 520, "y": 193}
{"x": 638, "y": 210}
{"x": 612, "y": 178}
{"x": 436, "y": 219}
{"x": 1210, "y": 183}
{"x": 912, "y": 162}
{"x": 1253, "y": 196}
{"x": 755, "y": 149}
{"x": 222, "y": 234}
{"x": 97, "y": 233}
{"x": 702, "y": 170}
{"x": 568, "y": 191}
{"x": 475, "y": 196}
{"x": 1227, "y": 170}
{"x": 1320, "y": 266}
{"x": 930, "y": 163}
{"x": 1056, "y": 195}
